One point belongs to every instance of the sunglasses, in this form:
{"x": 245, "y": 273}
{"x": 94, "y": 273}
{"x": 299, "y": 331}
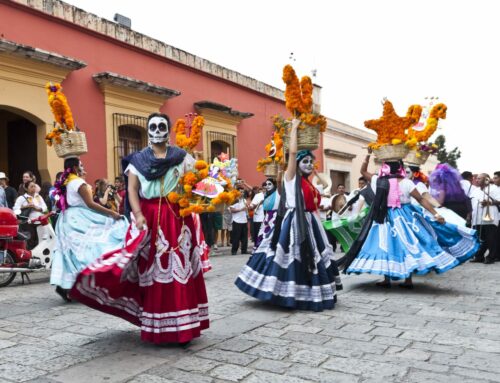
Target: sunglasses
{"x": 162, "y": 127}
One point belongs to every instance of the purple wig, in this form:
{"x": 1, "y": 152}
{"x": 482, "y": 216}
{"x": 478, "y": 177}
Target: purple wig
{"x": 447, "y": 179}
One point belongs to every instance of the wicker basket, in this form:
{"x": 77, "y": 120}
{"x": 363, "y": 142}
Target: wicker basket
{"x": 419, "y": 160}
{"x": 72, "y": 144}
{"x": 307, "y": 138}
{"x": 391, "y": 152}
{"x": 271, "y": 170}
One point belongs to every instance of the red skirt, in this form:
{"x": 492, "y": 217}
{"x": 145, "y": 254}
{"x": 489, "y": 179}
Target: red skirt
{"x": 155, "y": 282}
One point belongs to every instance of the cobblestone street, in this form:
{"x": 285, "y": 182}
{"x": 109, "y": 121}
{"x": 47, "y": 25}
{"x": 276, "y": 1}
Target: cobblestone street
{"x": 446, "y": 330}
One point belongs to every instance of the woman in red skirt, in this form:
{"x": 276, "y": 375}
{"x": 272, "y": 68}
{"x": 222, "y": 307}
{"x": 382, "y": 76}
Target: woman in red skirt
{"x": 156, "y": 280}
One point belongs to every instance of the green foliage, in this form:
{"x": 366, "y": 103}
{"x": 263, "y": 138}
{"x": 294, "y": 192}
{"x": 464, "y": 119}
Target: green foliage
{"x": 445, "y": 156}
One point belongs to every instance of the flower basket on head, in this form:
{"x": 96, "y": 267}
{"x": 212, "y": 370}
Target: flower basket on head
{"x": 72, "y": 144}
{"x": 417, "y": 157}
{"x": 271, "y": 170}
{"x": 307, "y": 139}
{"x": 391, "y": 152}
{"x": 67, "y": 140}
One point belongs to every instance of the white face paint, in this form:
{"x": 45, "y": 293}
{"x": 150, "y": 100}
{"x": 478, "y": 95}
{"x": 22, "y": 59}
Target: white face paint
{"x": 306, "y": 165}
{"x": 269, "y": 186}
{"x": 158, "y": 130}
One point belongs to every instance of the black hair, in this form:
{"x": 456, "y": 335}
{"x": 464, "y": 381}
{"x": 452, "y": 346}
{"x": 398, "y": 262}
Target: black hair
{"x": 119, "y": 179}
{"x": 466, "y": 175}
{"x": 71, "y": 163}
{"x": 163, "y": 115}
{"x": 497, "y": 174}
{"x": 361, "y": 179}
{"x": 31, "y": 174}
{"x": 340, "y": 185}
{"x": 59, "y": 175}
{"x": 394, "y": 166}
{"x": 414, "y": 168}
{"x": 272, "y": 180}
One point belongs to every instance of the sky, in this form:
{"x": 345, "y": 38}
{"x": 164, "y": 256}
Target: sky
{"x": 362, "y": 51}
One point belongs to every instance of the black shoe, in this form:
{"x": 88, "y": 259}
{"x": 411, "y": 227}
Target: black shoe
{"x": 477, "y": 260}
{"x": 245, "y": 252}
{"x": 488, "y": 260}
{"x": 384, "y": 284}
{"x": 63, "y": 293}
{"x": 408, "y": 286}
{"x": 232, "y": 253}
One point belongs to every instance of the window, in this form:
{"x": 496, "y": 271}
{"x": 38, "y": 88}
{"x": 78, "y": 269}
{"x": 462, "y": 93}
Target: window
{"x": 131, "y": 136}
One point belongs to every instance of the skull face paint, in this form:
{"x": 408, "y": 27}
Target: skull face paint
{"x": 158, "y": 129}
{"x": 306, "y": 165}
{"x": 269, "y": 186}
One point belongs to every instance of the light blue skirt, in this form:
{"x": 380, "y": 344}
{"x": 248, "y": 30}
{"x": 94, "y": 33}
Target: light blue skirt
{"x": 407, "y": 243}
{"x": 83, "y": 236}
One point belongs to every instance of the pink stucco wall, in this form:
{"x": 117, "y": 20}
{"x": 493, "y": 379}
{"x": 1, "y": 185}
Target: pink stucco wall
{"x": 103, "y": 54}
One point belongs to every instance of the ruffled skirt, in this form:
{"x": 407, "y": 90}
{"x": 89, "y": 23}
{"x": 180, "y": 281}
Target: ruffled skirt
{"x": 155, "y": 282}
{"x": 408, "y": 243}
{"x": 83, "y": 235}
{"x": 281, "y": 278}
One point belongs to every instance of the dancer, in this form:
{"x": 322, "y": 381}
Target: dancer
{"x": 446, "y": 188}
{"x": 297, "y": 269}
{"x": 156, "y": 281}
{"x": 85, "y": 230}
{"x": 270, "y": 205}
{"x": 396, "y": 241}
{"x": 453, "y": 236}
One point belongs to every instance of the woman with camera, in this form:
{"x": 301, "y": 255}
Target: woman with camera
{"x": 106, "y": 195}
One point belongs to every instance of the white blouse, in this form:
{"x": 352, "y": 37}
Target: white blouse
{"x": 405, "y": 188}
{"x": 26, "y": 199}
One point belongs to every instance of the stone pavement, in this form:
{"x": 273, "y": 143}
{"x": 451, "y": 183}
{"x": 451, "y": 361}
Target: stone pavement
{"x": 446, "y": 330}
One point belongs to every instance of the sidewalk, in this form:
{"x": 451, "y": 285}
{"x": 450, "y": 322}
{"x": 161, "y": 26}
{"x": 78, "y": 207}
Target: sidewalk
{"x": 446, "y": 330}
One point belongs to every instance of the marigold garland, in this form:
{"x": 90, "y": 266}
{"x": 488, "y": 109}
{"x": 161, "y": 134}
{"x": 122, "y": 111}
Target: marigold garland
{"x": 61, "y": 111}
{"x": 438, "y": 112}
{"x": 181, "y": 139}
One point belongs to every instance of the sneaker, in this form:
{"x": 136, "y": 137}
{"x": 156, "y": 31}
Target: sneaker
{"x": 477, "y": 260}
{"x": 488, "y": 260}
{"x": 215, "y": 247}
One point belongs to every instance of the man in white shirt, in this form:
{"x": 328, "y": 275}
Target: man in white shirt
{"x": 240, "y": 226}
{"x": 485, "y": 217}
{"x": 257, "y": 205}
{"x": 466, "y": 184}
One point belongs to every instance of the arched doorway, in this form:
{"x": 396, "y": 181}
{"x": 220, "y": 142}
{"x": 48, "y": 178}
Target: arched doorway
{"x": 18, "y": 145}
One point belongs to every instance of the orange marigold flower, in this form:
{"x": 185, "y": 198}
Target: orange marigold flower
{"x": 188, "y": 188}
{"x": 211, "y": 208}
{"x": 185, "y": 212}
{"x": 190, "y": 179}
{"x": 198, "y": 209}
{"x": 203, "y": 173}
{"x": 173, "y": 197}
{"x": 183, "y": 202}
{"x": 200, "y": 164}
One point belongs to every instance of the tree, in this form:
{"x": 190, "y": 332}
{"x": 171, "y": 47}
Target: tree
{"x": 445, "y": 156}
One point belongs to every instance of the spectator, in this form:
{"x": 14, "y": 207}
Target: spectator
{"x": 217, "y": 222}
{"x": 3, "y": 198}
{"x": 227, "y": 225}
{"x": 28, "y": 176}
{"x": 45, "y": 194}
{"x": 31, "y": 205}
{"x": 240, "y": 226}
{"x": 105, "y": 195}
{"x": 485, "y": 199}
{"x": 120, "y": 193}
{"x": 466, "y": 183}
{"x": 257, "y": 206}
{"x": 207, "y": 226}
{"x": 10, "y": 192}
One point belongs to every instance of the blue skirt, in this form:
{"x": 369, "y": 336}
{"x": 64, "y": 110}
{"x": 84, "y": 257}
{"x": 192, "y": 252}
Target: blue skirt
{"x": 280, "y": 277}
{"x": 83, "y": 235}
{"x": 408, "y": 243}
